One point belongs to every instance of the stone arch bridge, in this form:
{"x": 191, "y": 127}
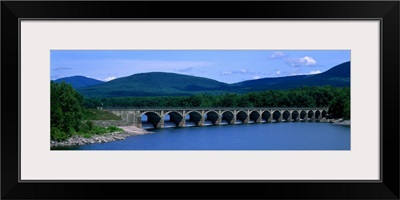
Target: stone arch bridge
{"x": 216, "y": 116}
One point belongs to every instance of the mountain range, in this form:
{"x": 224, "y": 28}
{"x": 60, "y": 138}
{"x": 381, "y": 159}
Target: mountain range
{"x": 171, "y": 84}
{"x": 79, "y": 81}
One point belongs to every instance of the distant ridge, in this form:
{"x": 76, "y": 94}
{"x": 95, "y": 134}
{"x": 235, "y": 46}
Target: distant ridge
{"x": 171, "y": 84}
{"x": 338, "y": 76}
{"x": 79, "y": 81}
{"x": 154, "y": 84}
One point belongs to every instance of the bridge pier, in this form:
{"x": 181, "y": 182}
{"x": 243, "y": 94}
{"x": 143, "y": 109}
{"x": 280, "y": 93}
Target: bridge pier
{"x": 312, "y": 116}
{"x": 201, "y": 122}
{"x": 246, "y": 121}
{"x": 218, "y": 122}
{"x": 320, "y": 115}
{"x": 289, "y": 119}
{"x": 233, "y": 120}
{"x": 182, "y": 123}
{"x": 160, "y": 124}
{"x": 258, "y": 119}
{"x": 138, "y": 120}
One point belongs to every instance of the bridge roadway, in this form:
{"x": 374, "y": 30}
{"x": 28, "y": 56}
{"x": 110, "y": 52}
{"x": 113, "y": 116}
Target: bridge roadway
{"x": 217, "y": 116}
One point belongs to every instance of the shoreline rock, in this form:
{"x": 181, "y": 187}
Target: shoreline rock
{"x": 337, "y": 121}
{"x": 343, "y": 123}
{"x": 103, "y": 138}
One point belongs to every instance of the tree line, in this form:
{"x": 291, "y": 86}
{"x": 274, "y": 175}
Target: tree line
{"x": 337, "y": 99}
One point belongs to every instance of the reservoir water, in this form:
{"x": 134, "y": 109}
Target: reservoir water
{"x": 264, "y": 136}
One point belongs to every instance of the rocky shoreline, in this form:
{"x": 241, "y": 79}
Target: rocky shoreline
{"x": 336, "y": 121}
{"x": 344, "y": 123}
{"x": 107, "y": 137}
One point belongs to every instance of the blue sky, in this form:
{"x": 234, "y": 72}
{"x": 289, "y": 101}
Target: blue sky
{"x": 229, "y": 66}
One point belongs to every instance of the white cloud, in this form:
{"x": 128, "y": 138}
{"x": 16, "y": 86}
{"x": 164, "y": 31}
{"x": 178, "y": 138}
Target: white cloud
{"x": 278, "y": 72}
{"x": 304, "y": 61}
{"x": 309, "y": 73}
{"x": 315, "y": 72}
{"x": 110, "y": 78}
{"x": 277, "y": 55}
{"x": 256, "y": 77}
{"x": 243, "y": 71}
{"x": 308, "y": 60}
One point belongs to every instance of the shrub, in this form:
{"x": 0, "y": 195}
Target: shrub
{"x": 58, "y": 135}
{"x": 113, "y": 129}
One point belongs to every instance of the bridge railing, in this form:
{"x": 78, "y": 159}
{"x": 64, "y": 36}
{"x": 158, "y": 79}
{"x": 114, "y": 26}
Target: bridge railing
{"x": 213, "y": 108}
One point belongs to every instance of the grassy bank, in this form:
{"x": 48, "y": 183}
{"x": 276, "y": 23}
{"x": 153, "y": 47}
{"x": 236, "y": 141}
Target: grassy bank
{"x": 96, "y": 114}
{"x": 87, "y": 128}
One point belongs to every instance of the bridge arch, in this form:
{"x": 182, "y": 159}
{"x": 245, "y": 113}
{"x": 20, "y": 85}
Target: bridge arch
{"x": 324, "y": 113}
{"x": 310, "y": 115}
{"x": 152, "y": 118}
{"x": 286, "y": 115}
{"x": 318, "y": 114}
{"x": 277, "y": 115}
{"x": 266, "y": 115}
{"x": 175, "y": 117}
{"x": 255, "y": 116}
{"x": 242, "y": 116}
{"x": 228, "y": 116}
{"x": 212, "y": 116}
{"x": 303, "y": 115}
{"x": 195, "y": 116}
{"x": 295, "y": 115}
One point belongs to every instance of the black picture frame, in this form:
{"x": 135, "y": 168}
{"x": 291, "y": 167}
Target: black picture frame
{"x": 386, "y": 11}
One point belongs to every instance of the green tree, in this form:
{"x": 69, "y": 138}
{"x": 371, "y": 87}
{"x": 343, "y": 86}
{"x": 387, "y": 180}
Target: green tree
{"x": 244, "y": 101}
{"x": 66, "y": 110}
{"x": 340, "y": 104}
{"x": 195, "y": 100}
{"x": 255, "y": 99}
{"x": 207, "y": 100}
{"x": 228, "y": 100}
